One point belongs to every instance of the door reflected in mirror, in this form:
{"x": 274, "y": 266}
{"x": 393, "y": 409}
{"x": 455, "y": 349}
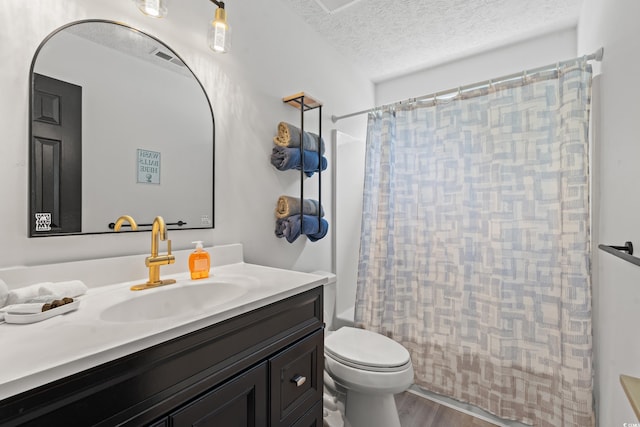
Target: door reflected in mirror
{"x": 119, "y": 125}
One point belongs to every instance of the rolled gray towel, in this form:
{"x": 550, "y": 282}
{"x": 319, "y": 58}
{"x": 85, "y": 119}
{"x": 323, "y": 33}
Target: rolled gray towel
{"x": 291, "y": 227}
{"x": 288, "y": 206}
{"x": 289, "y": 136}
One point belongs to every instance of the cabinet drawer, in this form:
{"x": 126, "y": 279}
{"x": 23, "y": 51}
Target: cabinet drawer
{"x": 313, "y": 418}
{"x": 296, "y": 379}
{"x": 241, "y": 402}
{"x": 161, "y": 423}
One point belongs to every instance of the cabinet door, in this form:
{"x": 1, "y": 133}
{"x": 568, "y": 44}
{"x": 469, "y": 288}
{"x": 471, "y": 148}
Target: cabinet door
{"x": 164, "y": 422}
{"x": 313, "y": 418}
{"x": 241, "y": 402}
{"x": 296, "y": 380}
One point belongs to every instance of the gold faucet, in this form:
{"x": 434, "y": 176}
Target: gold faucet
{"x": 154, "y": 261}
{"x": 121, "y": 221}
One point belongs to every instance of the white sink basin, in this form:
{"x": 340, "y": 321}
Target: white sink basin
{"x": 172, "y": 300}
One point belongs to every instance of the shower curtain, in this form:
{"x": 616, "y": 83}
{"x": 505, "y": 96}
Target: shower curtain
{"x": 475, "y": 245}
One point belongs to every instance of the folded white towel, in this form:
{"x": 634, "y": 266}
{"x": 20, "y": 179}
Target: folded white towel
{"x": 26, "y": 293}
{"x": 71, "y": 288}
{"x": 4, "y": 293}
{"x": 42, "y": 299}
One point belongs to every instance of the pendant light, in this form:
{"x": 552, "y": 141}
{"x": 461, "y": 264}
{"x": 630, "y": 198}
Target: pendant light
{"x": 218, "y": 35}
{"x": 154, "y": 8}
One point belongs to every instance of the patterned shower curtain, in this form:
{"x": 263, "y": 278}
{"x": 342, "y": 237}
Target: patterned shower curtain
{"x": 475, "y": 245}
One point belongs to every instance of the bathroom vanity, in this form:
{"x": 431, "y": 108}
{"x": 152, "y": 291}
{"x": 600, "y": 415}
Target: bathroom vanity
{"x": 255, "y": 360}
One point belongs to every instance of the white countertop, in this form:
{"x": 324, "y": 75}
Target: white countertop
{"x": 38, "y": 353}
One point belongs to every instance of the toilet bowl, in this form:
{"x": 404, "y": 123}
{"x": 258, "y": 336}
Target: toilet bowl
{"x": 371, "y": 368}
{"x": 367, "y": 367}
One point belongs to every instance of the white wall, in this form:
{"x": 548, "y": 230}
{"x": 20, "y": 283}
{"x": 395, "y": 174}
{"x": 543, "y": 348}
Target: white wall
{"x": 269, "y": 60}
{"x": 538, "y": 52}
{"x": 613, "y": 24}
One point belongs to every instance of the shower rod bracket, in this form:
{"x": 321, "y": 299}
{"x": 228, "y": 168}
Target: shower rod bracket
{"x": 628, "y": 247}
{"x": 625, "y": 252}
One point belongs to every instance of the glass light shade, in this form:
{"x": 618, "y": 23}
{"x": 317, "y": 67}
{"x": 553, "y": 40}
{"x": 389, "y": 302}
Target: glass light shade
{"x": 219, "y": 34}
{"x": 155, "y": 8}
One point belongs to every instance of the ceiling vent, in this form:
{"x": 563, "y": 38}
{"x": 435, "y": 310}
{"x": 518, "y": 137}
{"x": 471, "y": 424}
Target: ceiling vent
{"x": 167, "y": 57}
{"x": 334, "y": 6}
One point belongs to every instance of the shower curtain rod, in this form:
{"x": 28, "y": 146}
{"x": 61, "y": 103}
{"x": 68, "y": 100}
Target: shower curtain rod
{"x": 596, "y": 56}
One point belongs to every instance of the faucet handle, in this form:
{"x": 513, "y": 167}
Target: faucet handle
{"x": 168, "y": 246}
{"x": 118, "y": 224}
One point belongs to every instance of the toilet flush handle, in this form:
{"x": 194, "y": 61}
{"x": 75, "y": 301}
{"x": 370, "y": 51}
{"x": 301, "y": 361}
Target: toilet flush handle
{"x": 299, "y": 380}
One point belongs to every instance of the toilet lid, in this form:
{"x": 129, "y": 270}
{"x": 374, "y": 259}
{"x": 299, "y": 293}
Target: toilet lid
{"x": 364, "y": 348}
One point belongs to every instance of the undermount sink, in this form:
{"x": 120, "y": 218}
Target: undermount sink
{"x": 172, "y": 300}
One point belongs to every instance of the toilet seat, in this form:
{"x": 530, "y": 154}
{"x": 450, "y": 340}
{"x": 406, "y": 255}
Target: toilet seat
{"x": 366, "y": 350}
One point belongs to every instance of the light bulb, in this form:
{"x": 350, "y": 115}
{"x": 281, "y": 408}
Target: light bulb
{"x": 154, "y": 8}
{"x": 219, "y": 32}
{"x": 218, "y": 35}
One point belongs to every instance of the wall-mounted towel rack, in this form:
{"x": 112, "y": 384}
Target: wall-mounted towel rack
{"x": 304, "y": 102}
{"x": 625, "y": 252}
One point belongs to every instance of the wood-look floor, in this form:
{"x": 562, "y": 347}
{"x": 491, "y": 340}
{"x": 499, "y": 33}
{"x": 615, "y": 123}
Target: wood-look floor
{"x": 416, "y": 411}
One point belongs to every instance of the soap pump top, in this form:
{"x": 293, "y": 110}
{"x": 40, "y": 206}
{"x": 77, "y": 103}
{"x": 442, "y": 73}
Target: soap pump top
{"x": 199, "y": 262}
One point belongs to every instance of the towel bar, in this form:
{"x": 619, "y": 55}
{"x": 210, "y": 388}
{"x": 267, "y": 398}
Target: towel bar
{"x": 625, "y": 252}
{"x": 179, "y": 224}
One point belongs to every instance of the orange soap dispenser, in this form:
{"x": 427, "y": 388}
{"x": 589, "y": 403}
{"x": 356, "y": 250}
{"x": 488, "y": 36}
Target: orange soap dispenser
{"x": 199, "y": 262}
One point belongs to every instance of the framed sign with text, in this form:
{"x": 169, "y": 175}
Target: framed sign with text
{"x": 148, "y": 166}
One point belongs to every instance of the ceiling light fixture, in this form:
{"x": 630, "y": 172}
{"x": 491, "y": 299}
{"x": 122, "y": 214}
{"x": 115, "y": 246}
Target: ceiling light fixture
{"x": 218, "y": 36}
{"x": 154, "y": 8}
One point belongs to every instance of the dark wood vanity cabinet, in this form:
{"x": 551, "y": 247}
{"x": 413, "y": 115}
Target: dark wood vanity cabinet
{"x": 296, "y": 380}
{"x": 262, "y": 368}
{"x": 240, "y": 402}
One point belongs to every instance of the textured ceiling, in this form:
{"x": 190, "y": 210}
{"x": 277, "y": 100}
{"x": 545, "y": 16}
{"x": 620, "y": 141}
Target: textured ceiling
{"x": 390, "y": 38}
{"x": 130, "y": 42}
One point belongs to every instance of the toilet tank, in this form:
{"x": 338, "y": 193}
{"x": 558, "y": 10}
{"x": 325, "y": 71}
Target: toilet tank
{"x": 329, "y": 298}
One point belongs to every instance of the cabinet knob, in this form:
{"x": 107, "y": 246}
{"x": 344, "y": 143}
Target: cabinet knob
{"x": 299, "y": 380}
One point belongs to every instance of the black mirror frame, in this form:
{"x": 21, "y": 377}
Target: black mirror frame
{"x": 31, "y": 222}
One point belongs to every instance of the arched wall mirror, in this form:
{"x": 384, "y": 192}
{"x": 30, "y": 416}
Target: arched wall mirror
{"x": 118, "y": 125}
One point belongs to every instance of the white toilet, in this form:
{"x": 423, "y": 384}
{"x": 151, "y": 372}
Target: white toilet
{"x": 367, "y": 367}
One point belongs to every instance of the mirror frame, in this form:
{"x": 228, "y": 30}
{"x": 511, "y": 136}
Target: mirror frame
{"x": 30, "y": 223}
